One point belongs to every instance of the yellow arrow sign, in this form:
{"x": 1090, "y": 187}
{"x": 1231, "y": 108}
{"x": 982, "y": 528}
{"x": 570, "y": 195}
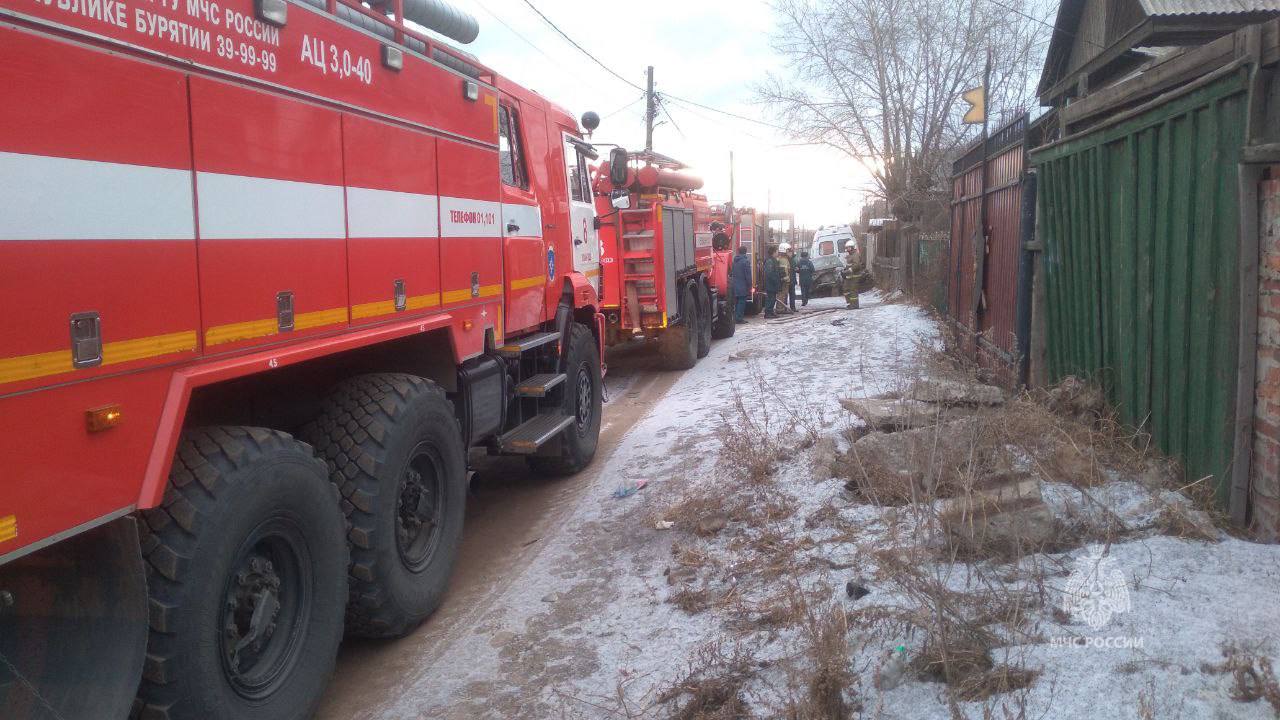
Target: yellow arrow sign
{"x": 977, "y": 99}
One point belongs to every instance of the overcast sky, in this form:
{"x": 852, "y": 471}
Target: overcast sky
{"x": 708, "y": 51}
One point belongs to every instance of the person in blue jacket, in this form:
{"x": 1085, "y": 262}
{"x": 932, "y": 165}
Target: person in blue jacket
{"x": 740, "y": 284}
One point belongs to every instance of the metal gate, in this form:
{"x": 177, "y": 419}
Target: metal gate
{"x": 1139, "y": 222}
{"x": 985, "y": 285}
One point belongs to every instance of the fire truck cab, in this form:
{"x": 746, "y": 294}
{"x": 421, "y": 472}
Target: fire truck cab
{"x": 271, "y": 269}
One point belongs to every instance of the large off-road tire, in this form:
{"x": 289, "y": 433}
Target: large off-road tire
{"x": 705, "y": 312}
{"x": 394, "y": 449}
{"x": 756, "y": 305}
{"x": 725, "y": 324}
{"x": 678, "y": 345}
{"x": 246, "y": 569}
{"x": 582, "y": 399}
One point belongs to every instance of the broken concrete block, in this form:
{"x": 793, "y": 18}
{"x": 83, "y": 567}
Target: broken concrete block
{"x": 890, "y": 415}
{"x": 1000, "y": 518}
{"x": 954, "y": 392}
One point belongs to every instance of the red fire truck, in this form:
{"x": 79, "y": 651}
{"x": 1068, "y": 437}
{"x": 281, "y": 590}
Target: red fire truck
{"x": 270, "y": 268}
{"x": 663, "y": 276}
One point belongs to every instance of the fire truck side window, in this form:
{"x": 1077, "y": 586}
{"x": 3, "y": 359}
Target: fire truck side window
{"x": 509, "y": 155}
{"x": 576, "y": 172}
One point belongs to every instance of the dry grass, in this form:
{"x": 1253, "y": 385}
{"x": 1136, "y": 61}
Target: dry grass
{"x": 712, "y": 687}
{"x": 959, "y": 630}
{"x": 1252, "y": 676}
{"x": 831, "y": 682}
{"x": 692, "y": 600}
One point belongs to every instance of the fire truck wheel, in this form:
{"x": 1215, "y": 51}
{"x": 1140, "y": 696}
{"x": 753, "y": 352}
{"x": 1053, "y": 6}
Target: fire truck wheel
{"x": 755, "y": 305}
{"x": 724, "y": 325}
{"x": 394, "y": 450}
{"x": 583, "y": 400}
{"x": 678, "y": 344}
{"x": 246, "y": 562}
{"x": 705, "y": 312}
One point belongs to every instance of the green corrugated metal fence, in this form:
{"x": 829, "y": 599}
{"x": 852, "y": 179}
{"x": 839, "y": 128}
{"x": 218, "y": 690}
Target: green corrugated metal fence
{"x": 1139, "y": 222}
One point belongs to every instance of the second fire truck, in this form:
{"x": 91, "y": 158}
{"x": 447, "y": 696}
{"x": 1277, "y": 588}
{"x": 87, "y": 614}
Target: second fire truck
{"x": 665, "y": 277}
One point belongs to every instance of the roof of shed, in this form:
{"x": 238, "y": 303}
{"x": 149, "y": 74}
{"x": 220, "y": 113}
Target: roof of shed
{"x": 1230, "y": 13}
{"x": 1207, "y": 7}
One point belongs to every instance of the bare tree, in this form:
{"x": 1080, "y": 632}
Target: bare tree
{"x": 880, "y": 81}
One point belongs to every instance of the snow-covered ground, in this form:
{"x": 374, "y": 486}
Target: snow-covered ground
{"x": 626, "y": 602}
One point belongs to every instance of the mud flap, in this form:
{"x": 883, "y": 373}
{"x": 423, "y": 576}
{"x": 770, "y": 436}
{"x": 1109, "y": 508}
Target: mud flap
{"x": 73, "y": 626}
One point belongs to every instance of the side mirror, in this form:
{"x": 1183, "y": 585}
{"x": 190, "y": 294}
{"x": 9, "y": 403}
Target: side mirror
{"x": 620, "y": 199}
{"x": 618, "y": 162}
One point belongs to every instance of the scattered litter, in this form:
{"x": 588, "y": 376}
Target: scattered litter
{"x": 663, "y": 525}
{"x": 895, "y": 667}
{"x": 629, "y": 488}
{"x": 856, "y": 590}
{"x": 837, "y": 322}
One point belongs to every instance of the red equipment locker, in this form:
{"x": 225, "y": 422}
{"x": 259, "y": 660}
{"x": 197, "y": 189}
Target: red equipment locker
{"x": 273, "y": 249}
{"x": 393, "y": 220}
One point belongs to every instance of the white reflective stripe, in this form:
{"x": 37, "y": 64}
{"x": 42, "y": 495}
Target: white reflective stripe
{"x": 527, "y": 217}
{"x": 463, "y": 218}
{"x": 390, "y": 214}
{"x": 246, "y": 208}
{"x": 49, "y": 198}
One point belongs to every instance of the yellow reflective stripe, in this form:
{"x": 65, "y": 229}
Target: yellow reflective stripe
{"x": 453, "y": 296}
{"x": 27, "y": 367}
{"x": 418, "y": 302}
{"x": 320, "y": 318}
{"x": 388, "y": 307}
{"x": 528, "y": 282}
{"x": 231, "y": 332}
{"x": 8, "y": 528}
{"x": 592, "y": 272}
{"x": 254, "y": 329}
{"x": 128, "y": 350}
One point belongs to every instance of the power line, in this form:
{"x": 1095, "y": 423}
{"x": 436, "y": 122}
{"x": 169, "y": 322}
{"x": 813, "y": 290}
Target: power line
{"x": 526, "y": 41}
{"x": 1051, "y": 26}
{"x": 623, "y": 79}
{"x": 581, "y": 49}
{"x": 608, "y": 115}
{"x": 677, "y": 98}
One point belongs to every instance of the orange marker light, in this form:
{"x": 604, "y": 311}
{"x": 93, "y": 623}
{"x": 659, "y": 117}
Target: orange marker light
{"x": 467, "y": 324}
{"x": 103, "y": 418}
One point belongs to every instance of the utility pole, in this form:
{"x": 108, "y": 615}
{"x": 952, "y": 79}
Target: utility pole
{"x": 650, "y": 109}
{"x": 731, "y": 178}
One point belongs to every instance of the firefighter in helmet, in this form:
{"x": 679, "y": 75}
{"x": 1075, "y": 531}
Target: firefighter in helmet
{"x": 851, "y": 275}
{"x": 785, "y": 264}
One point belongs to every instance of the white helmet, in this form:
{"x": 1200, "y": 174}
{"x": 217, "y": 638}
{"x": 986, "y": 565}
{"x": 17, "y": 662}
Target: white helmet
{"x": 784, "y": 247}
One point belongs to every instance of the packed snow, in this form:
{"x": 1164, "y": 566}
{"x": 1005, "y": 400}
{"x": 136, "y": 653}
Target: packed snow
{"x": 596, "y": 626}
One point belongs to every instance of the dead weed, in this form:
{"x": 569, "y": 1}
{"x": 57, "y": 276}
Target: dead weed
{"x": 711, "y": 688}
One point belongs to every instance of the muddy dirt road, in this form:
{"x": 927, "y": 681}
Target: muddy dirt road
{"x": 509, "y": 512}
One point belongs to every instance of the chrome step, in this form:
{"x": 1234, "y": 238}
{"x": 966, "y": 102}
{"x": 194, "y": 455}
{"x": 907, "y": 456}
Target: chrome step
{"x": 517, "y": 348}
{"x": 526, "y": 439}
{"x": 539, "y": 385}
